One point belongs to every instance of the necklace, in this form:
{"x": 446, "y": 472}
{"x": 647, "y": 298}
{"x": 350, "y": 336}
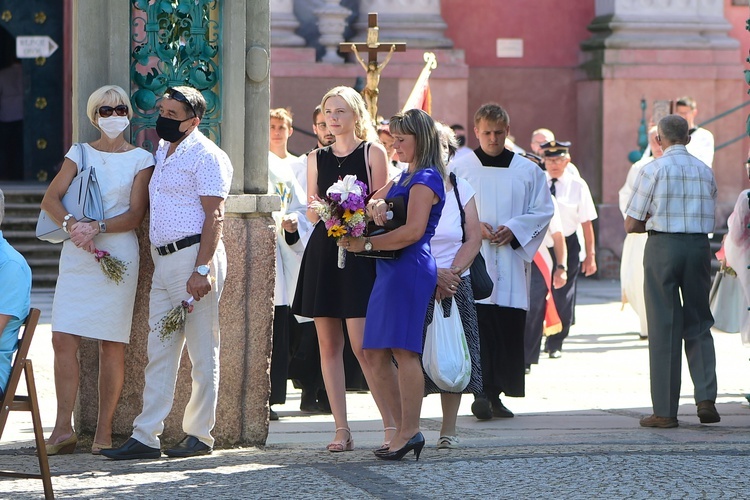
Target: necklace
{"x": 341, "y": 162}
{"x": 110, "y": 153}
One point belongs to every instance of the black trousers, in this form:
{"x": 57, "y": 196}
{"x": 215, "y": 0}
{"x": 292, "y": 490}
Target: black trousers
{"x": 279, "y": 355}
{"x": 565, "y": 297}
{"x": 501, "y": 331}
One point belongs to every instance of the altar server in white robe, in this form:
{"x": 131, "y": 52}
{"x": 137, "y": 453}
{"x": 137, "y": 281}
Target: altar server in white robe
{"x": 292, "y": 231}
{"x": 701, "y": 143}
{"x": 631, "y": 264}
{"x": 515, "y": 209}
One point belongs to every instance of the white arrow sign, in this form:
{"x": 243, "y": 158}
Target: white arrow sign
{"x": 34, "y": 46}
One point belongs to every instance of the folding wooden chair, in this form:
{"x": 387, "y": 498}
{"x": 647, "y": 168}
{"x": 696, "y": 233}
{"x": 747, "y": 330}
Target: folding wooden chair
{"x": 13, "y": 402}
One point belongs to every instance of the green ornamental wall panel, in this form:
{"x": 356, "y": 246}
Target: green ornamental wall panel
{"x": 174, "y": 42}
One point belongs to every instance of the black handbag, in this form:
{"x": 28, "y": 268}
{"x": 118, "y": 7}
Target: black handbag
{"x": 481, "y": 283}
{"x": 395, "y": 218}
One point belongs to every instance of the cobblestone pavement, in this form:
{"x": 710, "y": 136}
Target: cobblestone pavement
{"x": 575, "y": 435}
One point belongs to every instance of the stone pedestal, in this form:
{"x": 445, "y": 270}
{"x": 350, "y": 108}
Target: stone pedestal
{"x": 657, "y": 51}
{"x": 246, "y": 312}
{"x": 416, "y": 22}
{"x": 284, "y": 24}
{"x": 331, "y": 23}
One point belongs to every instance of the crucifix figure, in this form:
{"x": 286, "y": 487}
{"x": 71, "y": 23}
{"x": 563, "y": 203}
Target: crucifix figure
{"x": 372, "y": 67}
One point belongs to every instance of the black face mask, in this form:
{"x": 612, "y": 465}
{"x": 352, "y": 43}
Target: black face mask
{"x": 461, "y": 140}
{"x": 169, "y": 129}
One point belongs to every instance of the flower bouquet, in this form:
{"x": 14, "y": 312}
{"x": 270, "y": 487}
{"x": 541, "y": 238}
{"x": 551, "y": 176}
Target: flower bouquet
{"x": 112, "y": 267}
{"x": 174, "y": 321}
{"x": 342, "y": 210}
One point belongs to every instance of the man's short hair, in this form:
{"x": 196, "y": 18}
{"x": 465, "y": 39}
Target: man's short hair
{"x": 318, "y": 110}
{"x": 194, "y": 97}
{"x": 686, "y": 101}
{"x": 282, "y": 114}
{"x": 547, "y": 133}
{"x": 457, "y": 126}
{"x": 674, "y": 129}
{"x": 2, "y": 207}
{"x": 493, "y": 113}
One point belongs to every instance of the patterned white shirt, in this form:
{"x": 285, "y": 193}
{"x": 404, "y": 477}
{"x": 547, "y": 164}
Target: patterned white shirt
{"x": 678, "y": 191}
{"x": 574, "y": 201}
{"x": 198, "y": 167}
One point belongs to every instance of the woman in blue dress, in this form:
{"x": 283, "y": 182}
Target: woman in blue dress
{"x": 403, "y": 287}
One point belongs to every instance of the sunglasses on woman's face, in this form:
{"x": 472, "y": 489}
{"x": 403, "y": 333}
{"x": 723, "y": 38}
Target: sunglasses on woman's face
{"x": 106, "y": 111}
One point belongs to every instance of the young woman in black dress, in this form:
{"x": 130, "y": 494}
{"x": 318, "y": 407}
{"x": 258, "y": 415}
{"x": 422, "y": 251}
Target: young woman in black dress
{"x": 325, "y": 292}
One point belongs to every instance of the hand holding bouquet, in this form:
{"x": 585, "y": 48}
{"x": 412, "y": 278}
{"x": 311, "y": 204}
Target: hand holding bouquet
{"x": 342, "y": 210}
{"x": 174, "y": 321}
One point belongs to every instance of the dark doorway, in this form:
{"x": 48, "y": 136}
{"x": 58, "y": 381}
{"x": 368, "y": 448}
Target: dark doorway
{"x": 31, "y": 92}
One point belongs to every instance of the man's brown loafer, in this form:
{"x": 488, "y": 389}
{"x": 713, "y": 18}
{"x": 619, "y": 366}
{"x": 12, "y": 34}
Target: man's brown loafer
{"x": 660, "y": 422}
{"x": 707, "y": 412}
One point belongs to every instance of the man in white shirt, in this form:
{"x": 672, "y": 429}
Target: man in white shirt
{"x": 515, "y": 209}
{"x": 576, "y": 208}
{"x": 701, "y": 143}
{"x": 674, "y": 198}
{"x": 187, "y": 192}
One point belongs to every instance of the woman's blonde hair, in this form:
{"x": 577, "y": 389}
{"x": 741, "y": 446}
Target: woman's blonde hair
{"x": 428, "y": 152}
{"x": 109, "y": 95}
{"x": 363, "y": 127}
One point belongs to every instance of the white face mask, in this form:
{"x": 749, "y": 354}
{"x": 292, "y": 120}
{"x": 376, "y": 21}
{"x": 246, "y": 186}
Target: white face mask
{"x": 113, "y": 125}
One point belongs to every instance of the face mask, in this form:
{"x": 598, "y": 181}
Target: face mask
{"x": 114, "y": 125}
{"x": 169, "y": 129}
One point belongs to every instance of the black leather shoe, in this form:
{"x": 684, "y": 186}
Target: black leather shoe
{"x": 131, "y": 450}
{"x": 190, "y": 446}
{"x": 500, "y": 411}
{"x": 481, "y": 408}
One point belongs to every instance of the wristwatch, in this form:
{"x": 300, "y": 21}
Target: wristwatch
{"x": 102, "y": 226}
{"x": 560, "y": 266}
{"x": 368, "y": 245}
{"x": 202, "y": 270}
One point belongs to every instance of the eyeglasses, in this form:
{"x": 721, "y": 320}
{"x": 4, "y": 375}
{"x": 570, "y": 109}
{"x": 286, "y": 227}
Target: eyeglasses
{"x": 555, "y": 159}
{"x": 322, "y": 125}
{"x": 179, "y": 97}
{"x": 106, "y": 111}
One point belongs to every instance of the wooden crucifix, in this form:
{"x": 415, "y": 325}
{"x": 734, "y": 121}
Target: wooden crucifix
{"x": 372, "y": 67}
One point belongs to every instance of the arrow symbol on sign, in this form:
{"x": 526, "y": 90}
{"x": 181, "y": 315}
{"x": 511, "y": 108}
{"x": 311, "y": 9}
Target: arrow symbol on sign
{"x": 35, "y": 46}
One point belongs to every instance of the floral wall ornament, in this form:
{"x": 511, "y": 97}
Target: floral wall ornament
{"x": 40, "y": 17}
{"x": 175, "y": 42}
{"x": 6, "y": 16}
{"x": 40, "y": 103}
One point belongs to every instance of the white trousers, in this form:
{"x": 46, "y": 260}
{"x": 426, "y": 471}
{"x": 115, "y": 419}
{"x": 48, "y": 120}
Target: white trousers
{"x": 201, "y": 333}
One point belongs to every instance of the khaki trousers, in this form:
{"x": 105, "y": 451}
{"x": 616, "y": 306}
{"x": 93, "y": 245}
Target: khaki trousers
{"x": 201, "y": 334}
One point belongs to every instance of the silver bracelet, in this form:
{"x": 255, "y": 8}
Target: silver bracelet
{"x": 65, "y": 222}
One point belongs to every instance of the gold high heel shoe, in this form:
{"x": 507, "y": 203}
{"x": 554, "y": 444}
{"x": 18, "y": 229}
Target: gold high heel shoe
{"x": 96, "y": 448}
{"x": 64, "y": 447}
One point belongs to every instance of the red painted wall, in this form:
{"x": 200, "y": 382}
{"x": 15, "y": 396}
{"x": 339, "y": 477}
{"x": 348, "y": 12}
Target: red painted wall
{"x": 551, "y": 30}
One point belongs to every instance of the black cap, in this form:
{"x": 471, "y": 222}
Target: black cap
{"x": 555, "y": 148}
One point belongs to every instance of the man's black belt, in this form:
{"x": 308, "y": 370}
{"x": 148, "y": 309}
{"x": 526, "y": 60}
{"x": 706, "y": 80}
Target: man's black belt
{"x": 178, "y": 245}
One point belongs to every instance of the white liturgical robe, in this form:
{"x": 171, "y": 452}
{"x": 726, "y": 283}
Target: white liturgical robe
{"x": 516, "y": 197}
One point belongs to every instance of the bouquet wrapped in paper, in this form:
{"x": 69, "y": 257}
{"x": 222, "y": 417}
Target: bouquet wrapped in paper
{"x": 342, "y": 210}
{"x": 174, "y": 321}
{"x": 112, "y": 267}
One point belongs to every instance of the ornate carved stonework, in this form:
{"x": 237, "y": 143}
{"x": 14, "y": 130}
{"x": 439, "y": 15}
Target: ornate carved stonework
{"x": 284, "y": 24}
{"x": 416, "y": 22}
{"x": 660, "y": 24}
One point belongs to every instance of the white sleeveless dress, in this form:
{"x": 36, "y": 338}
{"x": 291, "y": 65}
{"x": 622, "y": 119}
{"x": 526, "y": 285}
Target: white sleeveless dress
{"x": 86, "y": 302}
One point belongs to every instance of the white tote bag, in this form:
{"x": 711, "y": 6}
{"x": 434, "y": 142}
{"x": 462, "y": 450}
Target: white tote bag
{"x": 446, "y": 358}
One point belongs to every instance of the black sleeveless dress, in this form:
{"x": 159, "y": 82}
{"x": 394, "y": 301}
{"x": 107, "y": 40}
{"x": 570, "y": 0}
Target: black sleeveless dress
{"x": 324, "y": 290}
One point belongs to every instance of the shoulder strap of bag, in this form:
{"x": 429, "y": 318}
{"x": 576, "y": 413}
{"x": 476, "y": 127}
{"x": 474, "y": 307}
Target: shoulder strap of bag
{"x": 82, "y": 148}
{"x": 369, "y": 167}
{"x": 460, "y": 206}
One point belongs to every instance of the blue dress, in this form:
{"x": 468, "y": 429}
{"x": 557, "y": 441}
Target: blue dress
{"x": 404, "y": 286}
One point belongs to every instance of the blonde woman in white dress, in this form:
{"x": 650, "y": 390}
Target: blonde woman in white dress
{"x": 87, "y": 303}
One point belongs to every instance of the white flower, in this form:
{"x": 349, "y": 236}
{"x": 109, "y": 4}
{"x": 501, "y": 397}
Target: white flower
{"x": 345, "y": 186}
